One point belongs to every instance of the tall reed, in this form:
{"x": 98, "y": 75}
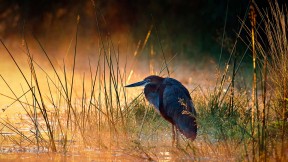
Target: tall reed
{"x": 275, "y": 61}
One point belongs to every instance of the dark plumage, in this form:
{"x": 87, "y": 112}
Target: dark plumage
{"x": 172, "y": 100}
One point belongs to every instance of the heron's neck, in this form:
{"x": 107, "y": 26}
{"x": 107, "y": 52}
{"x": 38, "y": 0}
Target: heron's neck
{"x": 152, "y": 87}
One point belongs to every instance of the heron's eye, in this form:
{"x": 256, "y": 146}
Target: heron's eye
{"x": 148, "y": 80}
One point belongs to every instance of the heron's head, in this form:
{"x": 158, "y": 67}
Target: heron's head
{"x": 150, "y": 80}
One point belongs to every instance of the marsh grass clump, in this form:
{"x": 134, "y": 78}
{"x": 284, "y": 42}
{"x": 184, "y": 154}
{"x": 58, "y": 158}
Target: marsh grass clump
{"x": 219, "y": 125}
{"x": 143, "y": 111}
{"x": 272, "y": 48}
{"x": 258, "y": 121}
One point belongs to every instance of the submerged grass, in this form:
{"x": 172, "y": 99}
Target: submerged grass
{"x": 95, "y": 111}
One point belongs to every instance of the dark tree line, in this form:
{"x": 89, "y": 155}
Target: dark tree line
{"x": 191, "y": 23}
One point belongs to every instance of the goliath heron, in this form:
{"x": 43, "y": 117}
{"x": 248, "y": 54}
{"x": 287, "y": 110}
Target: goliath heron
{"x": 173, "y": 101}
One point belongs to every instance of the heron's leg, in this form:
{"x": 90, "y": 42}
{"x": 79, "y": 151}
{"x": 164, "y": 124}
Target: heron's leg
{"x": 175, "y": 137}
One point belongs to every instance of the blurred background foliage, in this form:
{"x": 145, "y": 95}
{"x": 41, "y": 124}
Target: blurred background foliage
{"x": 187, "y": 27}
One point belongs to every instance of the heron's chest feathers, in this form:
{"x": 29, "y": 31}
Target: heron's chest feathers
{"x": 153, "y": 99}
{"x": 153, "y": 95}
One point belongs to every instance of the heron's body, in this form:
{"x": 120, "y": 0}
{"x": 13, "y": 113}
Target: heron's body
{"x": 172, "y": 100}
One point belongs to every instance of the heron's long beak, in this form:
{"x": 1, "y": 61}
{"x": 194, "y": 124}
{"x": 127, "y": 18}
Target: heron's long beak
{"x": 141, "y": 83}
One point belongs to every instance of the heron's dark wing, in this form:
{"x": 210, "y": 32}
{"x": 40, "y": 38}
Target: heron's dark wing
{"x": 178, "y": 107}
{"x": 174, "y": 93}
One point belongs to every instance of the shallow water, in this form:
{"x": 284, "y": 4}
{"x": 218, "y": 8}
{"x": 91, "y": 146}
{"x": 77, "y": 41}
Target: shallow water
{"x": 31, "y": 157}
{"x": 86, "y": 155}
